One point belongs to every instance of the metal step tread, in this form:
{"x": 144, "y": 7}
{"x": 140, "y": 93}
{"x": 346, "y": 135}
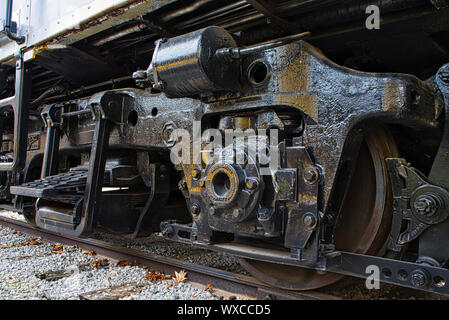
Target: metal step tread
{"x": 54, "y": 185}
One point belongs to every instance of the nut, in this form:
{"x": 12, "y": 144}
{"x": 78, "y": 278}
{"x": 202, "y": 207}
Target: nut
{"x": 419, "y": 278}
{"x": 196, "y": 173}
{"x": 427, "y": 205}
{"x": 195, "y": 210}
{"x": 309, "y": 220}
{"x": 311, "y": 175}
{"x": 252, "y": 184}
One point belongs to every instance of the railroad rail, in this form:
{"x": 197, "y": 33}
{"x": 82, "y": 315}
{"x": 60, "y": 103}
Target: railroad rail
{"x": 223, "y": 280}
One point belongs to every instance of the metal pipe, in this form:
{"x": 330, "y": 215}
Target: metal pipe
{"x": 10, "y": 25}
{"x": 214, "y": 14}
{"x": 180, "y": 12}
{"x": 76, "y": 113}
{"x": 236, "y": 53}
{"x": 119, "y": 34}
{"x": 86, "y": 90}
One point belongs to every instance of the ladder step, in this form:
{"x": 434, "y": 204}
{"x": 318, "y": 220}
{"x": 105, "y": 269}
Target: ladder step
{"x": 56, "y": 216}
{"x": 53, "y": 186}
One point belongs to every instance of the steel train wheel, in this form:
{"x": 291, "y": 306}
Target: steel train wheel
{"x": 364, "y": 223}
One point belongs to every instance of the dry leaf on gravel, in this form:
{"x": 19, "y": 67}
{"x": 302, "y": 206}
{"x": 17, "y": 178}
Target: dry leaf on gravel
{"x": 180, "y": 276}
{"x": 125, "y": 263}
{"x": 57, "y": 249}
{"x": 30, "y": 243}
{"x": 91, "y": 253}
{"x": 209, "y": 288}
{"x": 154, "y": 276}
{"x": 100, "y": 263}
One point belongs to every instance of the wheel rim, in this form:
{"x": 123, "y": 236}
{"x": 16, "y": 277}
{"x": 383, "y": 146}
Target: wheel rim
{"x": 364, "y": 224}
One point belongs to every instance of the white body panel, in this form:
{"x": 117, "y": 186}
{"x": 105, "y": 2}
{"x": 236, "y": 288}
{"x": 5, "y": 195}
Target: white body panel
{"x": 41, "y": 21}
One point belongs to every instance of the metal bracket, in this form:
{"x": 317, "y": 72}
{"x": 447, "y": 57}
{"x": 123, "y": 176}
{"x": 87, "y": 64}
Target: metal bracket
{"x": 413, "y": 275}
{"x": 143, "y": 77}
{"x": 303, "y": 217}
{"x": 434, "y": 241}
{"x": 51, "y": 115}
{"x": 108, "y": 111}
{"x": 19, "y": 105}
{"x": 177, "y": 231}
{"x": 416, "y": 201}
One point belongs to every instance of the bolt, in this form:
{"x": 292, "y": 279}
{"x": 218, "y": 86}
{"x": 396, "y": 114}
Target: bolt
{"x": 252, "y": 184}
{"x": 237, "y": 212}
{"x": 419, "y": 278}
{"x": 211, "y": 211}
{"x": 427, "y": 205}
{"x": 196, "y": 173}
{"x": 262, "y": 214}
{"x": 311, "y": 175}
{"x": 309, "y": 220}
{"x": 182, "y": 185}
{"x": 195, "y": 210}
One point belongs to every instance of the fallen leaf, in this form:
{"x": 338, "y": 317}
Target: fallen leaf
{"x": 124, "y": 263}
{"x": 209, "y": 288}
{"x": 170, "y": 285}
{"x": 18, "y": 233}
{"x": 100, "y": 263}
{"x": 180, "y": 276}
{"x": 57, "y": 249}
{"x": 91, "y": 253}
{"x": 154, "y": 276}
{"x": 30, "y": 243}
{"x": 232, "y": 297}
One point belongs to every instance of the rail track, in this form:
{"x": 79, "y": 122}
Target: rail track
{"x": 223, "y": 280}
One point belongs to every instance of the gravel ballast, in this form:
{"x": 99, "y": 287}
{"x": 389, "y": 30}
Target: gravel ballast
{"x": 34, "y": 269}
{"x": 23, "y": 270}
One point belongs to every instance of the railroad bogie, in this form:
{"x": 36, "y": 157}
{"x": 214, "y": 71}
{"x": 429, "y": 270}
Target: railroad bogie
{"x": 304, "y": 169}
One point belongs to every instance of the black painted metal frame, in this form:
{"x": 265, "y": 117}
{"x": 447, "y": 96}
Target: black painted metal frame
{"x": 19, "y": 105}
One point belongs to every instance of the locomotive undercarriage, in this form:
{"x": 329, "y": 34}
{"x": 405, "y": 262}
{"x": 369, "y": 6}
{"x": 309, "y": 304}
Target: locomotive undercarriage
{"x": 338, "y": 197}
